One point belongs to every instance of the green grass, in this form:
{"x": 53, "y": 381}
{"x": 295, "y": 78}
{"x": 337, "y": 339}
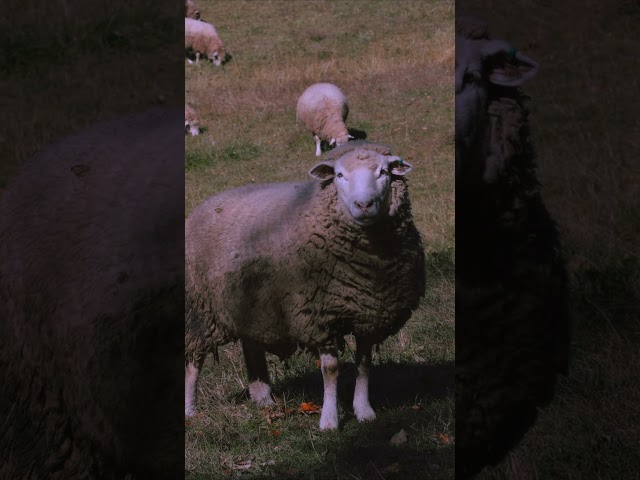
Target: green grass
{"x": 394, "y": 61}
{"x": 585, "y": 128}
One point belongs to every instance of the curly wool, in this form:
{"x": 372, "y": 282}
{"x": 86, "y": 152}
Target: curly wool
{"x": 201, "y": 37}
{"x": 324, "y": 277}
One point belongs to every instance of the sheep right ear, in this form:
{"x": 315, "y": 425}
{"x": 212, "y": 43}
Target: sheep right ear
{"x": 323, "y": 170}
{"x": 507, "y": 66}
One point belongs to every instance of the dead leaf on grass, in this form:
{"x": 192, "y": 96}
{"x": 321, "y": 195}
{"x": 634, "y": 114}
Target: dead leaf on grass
{"x": 308, "y": 408}
{"x": 399, "y": 438}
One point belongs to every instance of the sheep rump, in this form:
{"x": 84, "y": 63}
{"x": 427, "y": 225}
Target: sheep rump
{"x": 201, "y": 38}
{"x": 323, "y": 109}
{"x": 290, "y": 268}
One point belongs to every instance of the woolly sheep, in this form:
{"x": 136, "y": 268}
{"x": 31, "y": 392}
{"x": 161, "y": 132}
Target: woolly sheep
{"x": 190, "y": 10}
{"x": 287, "y": 264}
{"x": 191, "y": 120}
{"x": 91, "y": 293}
{"x": 202, "y": 38}
{"x": 323, "y": 109}
{"x": 512, "y": 327}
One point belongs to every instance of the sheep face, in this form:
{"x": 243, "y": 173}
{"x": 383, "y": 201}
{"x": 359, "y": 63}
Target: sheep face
{"x": 363, "y": 183}
{"x": 217, "y": 56}
{"x": 481, "y": 63}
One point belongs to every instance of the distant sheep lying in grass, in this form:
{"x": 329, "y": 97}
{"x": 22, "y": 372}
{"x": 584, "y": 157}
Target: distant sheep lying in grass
{"x": 512, "y": 328}
{"x": 191, "y": 120}
{"x": 323, "y": 109}
{"x": 287, "y": 264}
{"x": 201, "y": 38}
{"x": 190, "y": 10}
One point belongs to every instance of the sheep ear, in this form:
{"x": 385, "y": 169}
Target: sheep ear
{"x": 323, "y": 170}
{"x": 398, "y": 166}
{"x": 506, "y": 66}
{"x": 332, "y": 142}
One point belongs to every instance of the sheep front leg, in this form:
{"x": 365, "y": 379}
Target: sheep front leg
{"x": 361, "y": 406}
{"x": 258, "y": 372}
{"x": 330, "y": 370}
{"x": 191, "y": 374}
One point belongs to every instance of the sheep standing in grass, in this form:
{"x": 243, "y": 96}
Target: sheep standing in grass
{"x": 201, "y": 38}
{"x": 323, "y": 109}
{"x": 190, "y": 10}
{"x": 191, "y": 120}
{"x": 512, "y": 328}
{"x": 287, "y": 264}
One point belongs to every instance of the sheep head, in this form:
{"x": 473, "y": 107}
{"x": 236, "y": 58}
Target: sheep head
{"x": 363, "y": 182}
{"x": 483, "y": 63}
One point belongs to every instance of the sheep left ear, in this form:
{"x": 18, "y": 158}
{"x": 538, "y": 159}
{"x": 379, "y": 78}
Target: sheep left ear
{"x": 323, "y": 170}
{"x": 398, "y": 166}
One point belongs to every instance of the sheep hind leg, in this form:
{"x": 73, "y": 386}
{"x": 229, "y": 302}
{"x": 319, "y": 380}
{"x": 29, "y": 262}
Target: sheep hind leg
{"x": 330, "y": 370}
{"x": 361, "y": 406}
{"x": 258, "y": 372}
{"x": 191, "y": 374}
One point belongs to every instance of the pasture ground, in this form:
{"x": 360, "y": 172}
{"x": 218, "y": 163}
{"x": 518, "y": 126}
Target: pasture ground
{"x": 395, "y": 63}
{"x": 587, "y": 134}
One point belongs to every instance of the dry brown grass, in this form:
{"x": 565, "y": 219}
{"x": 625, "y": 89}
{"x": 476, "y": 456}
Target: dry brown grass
{"x": 394, "y": 61}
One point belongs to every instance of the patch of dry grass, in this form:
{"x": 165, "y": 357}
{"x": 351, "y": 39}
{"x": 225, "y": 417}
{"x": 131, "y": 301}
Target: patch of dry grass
{"x": 586, "y": 131}
{"x": 394, "y": 61}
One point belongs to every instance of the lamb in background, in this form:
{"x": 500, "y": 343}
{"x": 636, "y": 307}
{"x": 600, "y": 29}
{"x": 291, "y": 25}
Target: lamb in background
{"x": 201, "y": 38}
{"x": 191, "y": 120}
{"x": 512, "y": 327}
{"x": 323, "y": 109}
{"x": 287, "y": 264}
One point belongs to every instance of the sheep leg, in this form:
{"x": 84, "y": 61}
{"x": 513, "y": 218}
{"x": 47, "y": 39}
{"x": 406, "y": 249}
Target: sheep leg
{"x": 330, "y": 369}
{"x": 317, "y": 139}
{"x": 258, "y": 372}
{"x": 191, "y": 374}
{"x": 361, "y": 405}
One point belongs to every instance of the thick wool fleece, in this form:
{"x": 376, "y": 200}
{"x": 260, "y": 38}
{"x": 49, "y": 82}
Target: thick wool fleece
{"x": 202, "y": 37}
{"x": 283, "y": 265}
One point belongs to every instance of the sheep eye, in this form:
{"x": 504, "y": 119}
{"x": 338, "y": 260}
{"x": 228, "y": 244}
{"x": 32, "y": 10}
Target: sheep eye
{"x": 339, "y": 175}
{"x": 384, "y": 171}
{"x": 471, "y": 77}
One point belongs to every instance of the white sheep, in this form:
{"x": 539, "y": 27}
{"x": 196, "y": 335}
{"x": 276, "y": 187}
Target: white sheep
{"x": 91, "y": 295}
{"x": 323, "y": 109}
{"x": 191, "y": 120}
{"x": 287, "y": 264}
{"x": 512, "y": 325}
{"x": 201, "y": 38}
{"x": 191, "y": 10}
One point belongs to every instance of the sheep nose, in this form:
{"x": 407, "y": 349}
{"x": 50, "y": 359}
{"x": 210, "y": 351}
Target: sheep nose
{"x": 364, "y": 205}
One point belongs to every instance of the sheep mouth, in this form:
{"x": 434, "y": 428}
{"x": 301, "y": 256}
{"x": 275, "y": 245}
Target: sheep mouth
{"x": 366, "y": 220}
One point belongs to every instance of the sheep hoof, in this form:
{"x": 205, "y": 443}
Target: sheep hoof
{"x": 365, "y": 413}
{"x": 260, "y": 393}
{"x": 328, "y": 423}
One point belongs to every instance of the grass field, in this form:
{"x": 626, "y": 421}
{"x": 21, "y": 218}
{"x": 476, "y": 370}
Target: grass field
{"x": 586, "y": 131}
{"x": 395, "y": 62}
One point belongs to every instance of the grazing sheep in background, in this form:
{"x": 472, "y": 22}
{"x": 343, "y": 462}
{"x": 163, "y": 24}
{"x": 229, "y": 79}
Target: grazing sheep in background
{"x": 323, "y": 109}
{"x": 202, "y": 38}
{"x": 512, "y": 327}
{"x": 91, "y": 292}
{"x": 191, "y": 120}
{"x": 287, "y": 264}
{"x": 190, "y": 10}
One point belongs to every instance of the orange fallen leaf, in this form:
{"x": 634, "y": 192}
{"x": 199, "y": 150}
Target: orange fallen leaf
{"x": 318, "y": 364}
{"x": 308, "y": 408}
{"x": 276, "y": 433}
{"x": 444, "y": 438}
